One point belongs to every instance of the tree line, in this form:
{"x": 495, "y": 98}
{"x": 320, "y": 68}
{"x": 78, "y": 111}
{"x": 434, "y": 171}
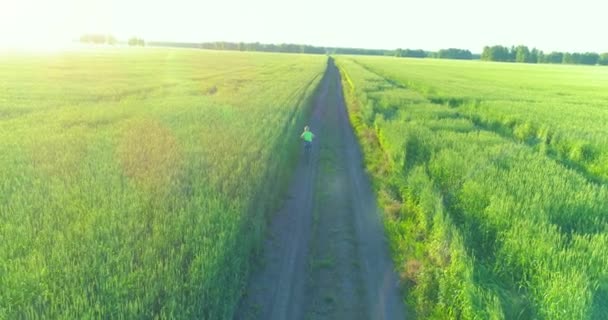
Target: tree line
{"x": 95, "y": 38}
{"x": 98, "y": 38}
{"x": 263, "y": 47}
{"x": 451, "y": 53}
{"x": 523, "y": 54}
{"x": 520, "y": 53}
{"x": 135, "y": 41}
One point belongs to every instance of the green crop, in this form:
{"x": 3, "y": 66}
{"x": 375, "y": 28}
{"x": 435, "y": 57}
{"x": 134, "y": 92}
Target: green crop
{"x": 135, "y": 183}
{"x": 494, "y": 179}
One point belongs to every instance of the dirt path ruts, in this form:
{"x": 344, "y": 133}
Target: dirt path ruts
{"x": 326, "y": 256}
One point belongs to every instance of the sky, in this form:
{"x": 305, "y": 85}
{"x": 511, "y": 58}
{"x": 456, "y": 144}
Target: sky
{"x": 550, "y": 25}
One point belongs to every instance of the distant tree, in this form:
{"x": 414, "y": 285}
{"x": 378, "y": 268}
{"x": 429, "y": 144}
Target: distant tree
{"x": 256, "y": 46}
{"x": 507, "y": 54}
{"x": 92, "y": 38}
{"x": 358, "y": 51}
{"x": 453, "y": 53}
{"x": 134, "y": 41}
{"x": 110, "y": 39}
{"x": 603, "y": 59}
{"x": 290, "y": 48}
{"x": 415, "y": 53}
{"x": 522, "y": 54}
{"x": 411, "y": 53}
{"x": 433, "y": 55}
{"x": 569, "y": 58}
{"x": 96, "y": 38}
{"x": 534, "y": 56}
{"x": 315, "y": 50}
{"x": 174, "y": 44}
{"x": 250, "y": 47}
{"x": 554, "y": 57}
{"x": 502, "y": 53}
{"x": 486, "y": 53}
{"x": 589, "y": 58}
{"x": 541, "y": 57}
{"x": 512, "y": 53}
{"x": 496, "y": 53}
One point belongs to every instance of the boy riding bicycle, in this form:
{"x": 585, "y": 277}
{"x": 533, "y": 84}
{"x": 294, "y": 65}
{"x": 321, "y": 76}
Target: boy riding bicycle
{"x": 307, "y": 136}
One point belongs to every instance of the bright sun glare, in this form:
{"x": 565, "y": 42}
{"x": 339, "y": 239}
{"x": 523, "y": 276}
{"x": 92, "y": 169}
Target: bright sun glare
{"x": 25, "y": 24}
{"x": 36, "y": 25}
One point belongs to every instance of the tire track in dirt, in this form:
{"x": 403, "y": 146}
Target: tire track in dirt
{"x": 278, "y": 289}
{"x": 326, "y": 256}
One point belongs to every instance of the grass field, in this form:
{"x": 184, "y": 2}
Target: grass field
{"x": 494, "y": 178}
{"x": 134, "y": 183}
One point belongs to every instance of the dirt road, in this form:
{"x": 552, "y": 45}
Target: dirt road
{"x": 326, "y": 256}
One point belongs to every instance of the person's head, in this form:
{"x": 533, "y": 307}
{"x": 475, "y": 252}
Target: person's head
{"x": 306, "y": 128}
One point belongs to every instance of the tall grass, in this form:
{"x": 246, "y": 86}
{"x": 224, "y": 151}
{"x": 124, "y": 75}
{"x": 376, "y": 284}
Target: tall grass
{"x": 136, "y": 183}
{"x": 495, "y": 208}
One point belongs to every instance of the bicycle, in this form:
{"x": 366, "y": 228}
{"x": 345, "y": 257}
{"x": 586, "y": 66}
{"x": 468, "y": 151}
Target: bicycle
{"x": 307, "y": 152}
{"x": 307, "y": 136}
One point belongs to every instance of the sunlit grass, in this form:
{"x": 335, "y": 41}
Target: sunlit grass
{"x": 136, "y": 183}
{"x": 494, "y": 179}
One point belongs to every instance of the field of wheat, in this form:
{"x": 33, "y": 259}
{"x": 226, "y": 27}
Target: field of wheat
{"x": 494, "y": 180}
{"x": 135, "y": 183}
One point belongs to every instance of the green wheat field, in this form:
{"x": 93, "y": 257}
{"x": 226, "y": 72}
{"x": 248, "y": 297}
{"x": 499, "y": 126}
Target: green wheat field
{"x": 494, "y": 178}
{"x": 138, "y": 183}
{"x": 135, "y": 183}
